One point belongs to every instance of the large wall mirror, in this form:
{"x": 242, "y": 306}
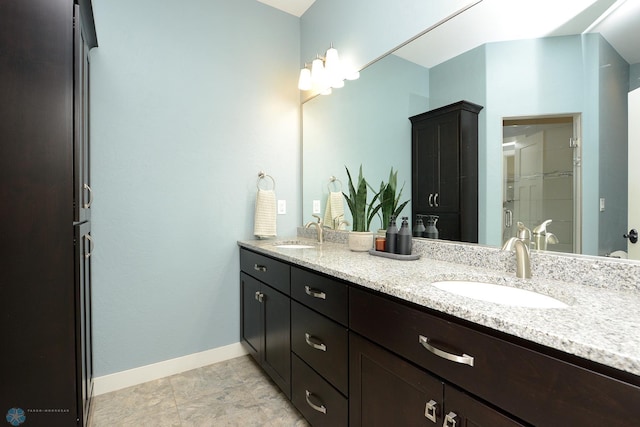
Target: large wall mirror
{"x": 574, "y": 62}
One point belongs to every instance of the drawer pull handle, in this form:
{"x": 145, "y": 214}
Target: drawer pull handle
{"x": 315, "y": 293}
{"x": 431, "y": 410}
{"x": 320, "y": 408}
{"x": 259, "y": 296}
{"x": 258, "y": 267}
{"x": 464, "y": 359}
{"x": 318, "y": 346}
{"x": 450, "y": 420}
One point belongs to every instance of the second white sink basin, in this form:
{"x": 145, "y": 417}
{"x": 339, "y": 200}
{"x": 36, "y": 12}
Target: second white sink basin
{"x": 499, "y": 294}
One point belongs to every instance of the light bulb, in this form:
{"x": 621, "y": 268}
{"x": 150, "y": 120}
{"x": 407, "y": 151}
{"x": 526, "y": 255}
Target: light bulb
{"x": 304, "y": 82}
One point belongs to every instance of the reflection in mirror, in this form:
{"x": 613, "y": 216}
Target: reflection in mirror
{"x": 540, "y": 189}
{"x": 567, "y": 72}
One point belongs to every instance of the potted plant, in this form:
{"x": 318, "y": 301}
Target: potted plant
{"x": 360, "y": 238}
{"x": 389, "y": 199}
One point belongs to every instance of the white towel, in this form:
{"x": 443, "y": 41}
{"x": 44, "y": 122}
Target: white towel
{"x": 334, "y": 209}
{"x": 265, "y": 217}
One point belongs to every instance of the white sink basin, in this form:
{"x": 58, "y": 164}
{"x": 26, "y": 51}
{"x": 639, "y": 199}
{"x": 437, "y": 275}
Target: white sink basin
{"x": 499, "y": 294}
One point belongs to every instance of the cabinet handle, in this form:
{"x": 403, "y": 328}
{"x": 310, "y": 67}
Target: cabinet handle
{"x": 450, "y": 420}
{"x": 258, "y": 267}
{"x": 430, "y": 200}
{"x": 88, "y": 204}
{"x": 90, "y": 240}
{"x": 464, "y": 359}
{"x": 320, "y": 408}
{"x": 315, "y": 293}
{"x": 431, "y": 410}
{"x": 317, "y": 346}
{"x": 259, "y": 296}
{"x": 435, "y": 199}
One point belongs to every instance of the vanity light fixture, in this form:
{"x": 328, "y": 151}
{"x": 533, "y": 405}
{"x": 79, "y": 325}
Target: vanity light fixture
{"x": 326, "y": 73}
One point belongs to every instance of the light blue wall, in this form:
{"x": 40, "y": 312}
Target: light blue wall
{"x": 363, "y": 30}
{"x": 189, "y": 100}
{"x": 366, "y": 122}
{"x": 634, "y": 77}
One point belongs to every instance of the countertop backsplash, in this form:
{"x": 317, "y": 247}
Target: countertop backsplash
{"x": 602, "y": 272}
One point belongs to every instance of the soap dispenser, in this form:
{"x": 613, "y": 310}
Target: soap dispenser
{"x": 431, "y": 230}
{"x": 404, "y": 238}
{"x": 391, "y": 236}
{"x": 418, "y": 229}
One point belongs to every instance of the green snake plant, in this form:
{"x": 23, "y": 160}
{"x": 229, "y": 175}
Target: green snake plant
{"x": 389, "y": 199}
{"x": 362, "y": 212}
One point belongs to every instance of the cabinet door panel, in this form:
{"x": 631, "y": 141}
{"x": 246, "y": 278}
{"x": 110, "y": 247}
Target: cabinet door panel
{"x": 325, "y": 295}
{"x": 251, "y": 321}
{"x": 470, "y": 412}
{"x": 276, "y": 359}
{"x": 386, "y": 391}
{"x": 316, "y": 399}
{"x": 330, "y": 355}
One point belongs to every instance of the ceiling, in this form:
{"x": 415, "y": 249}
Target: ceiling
{"x": 293, "y": 7}
{"x": 500, "y": 20}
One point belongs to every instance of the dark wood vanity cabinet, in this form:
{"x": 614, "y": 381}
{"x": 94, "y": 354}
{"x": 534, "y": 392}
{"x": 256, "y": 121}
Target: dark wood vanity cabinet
{"x": 265, "y": 315}
{"x": 387, "y": 390}
{"x": 46, "y": 372}
{"x": 532, "y": 386}
{"x": 445, "y": 169}
{"x": 346, "y": 355}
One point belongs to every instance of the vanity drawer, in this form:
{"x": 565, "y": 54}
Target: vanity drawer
{"x": 322, "y": 343}
{"x": 268, "y": 270}
{"x": 316, "y": 399}
{"x": 325, "y": 295}
{"x": 536, "y": 387}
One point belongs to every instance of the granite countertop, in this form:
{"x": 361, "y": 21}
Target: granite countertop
{"x": 599, "y": 324}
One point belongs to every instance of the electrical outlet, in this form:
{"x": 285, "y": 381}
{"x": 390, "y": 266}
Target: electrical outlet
{"x": 601, "y": 204}
{"x": 316, "y": 206}
{"x": 282, "y": 207}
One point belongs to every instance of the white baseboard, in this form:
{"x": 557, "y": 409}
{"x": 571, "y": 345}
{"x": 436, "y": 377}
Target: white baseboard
{"x": 131, "y": 377}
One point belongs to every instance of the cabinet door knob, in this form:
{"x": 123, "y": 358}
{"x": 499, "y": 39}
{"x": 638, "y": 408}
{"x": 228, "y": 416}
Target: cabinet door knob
{"x": 431, "y": 410}
{"x": 315, "y": 293}
{"x": 464, "y": 359}
{"x": 320, "y": 408}
{"x": 317, "y": 345}
{"x": 450, "y": 420}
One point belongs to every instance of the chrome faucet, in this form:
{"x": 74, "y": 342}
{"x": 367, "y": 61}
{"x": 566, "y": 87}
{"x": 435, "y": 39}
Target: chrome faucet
{"x": 521, "y": 246}
{"x": 318, "y": 226}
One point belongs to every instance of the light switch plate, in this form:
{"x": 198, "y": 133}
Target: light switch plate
{"x": 601, "y": 204}
{"x": 282, "y": 207}
{"x": 316, "y": 206}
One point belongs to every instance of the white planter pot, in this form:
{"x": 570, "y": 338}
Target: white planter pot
{"x": 360, "y": 241}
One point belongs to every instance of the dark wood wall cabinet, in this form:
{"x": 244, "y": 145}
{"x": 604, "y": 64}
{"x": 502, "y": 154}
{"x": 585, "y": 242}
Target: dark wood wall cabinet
{"x": 46, "y": 373}
{"x": 445, "y": 169}
{"x": 362, "y": 358}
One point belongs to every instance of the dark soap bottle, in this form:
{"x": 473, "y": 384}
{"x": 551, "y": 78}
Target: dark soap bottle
{"x": 392, "y": 236}
{"x": 419, "y": 228}
{"x": 404, "y": 238}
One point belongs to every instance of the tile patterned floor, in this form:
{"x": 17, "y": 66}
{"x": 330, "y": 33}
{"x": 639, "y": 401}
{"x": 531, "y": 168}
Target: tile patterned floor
{"x": 231, "y": 393}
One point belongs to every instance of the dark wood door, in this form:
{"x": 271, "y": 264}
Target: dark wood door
{"x": 82, "y": 196}
{"x": 84, "y": 352}
{"x": 276, "y": 359}
{"x": 462, "y": 410}
{"x": 385, "y": 390}
{"x": 251, "y": 315}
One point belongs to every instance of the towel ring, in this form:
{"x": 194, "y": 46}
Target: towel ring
{"x": 264, "y": 176}
{"x": 333, "y": 180}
